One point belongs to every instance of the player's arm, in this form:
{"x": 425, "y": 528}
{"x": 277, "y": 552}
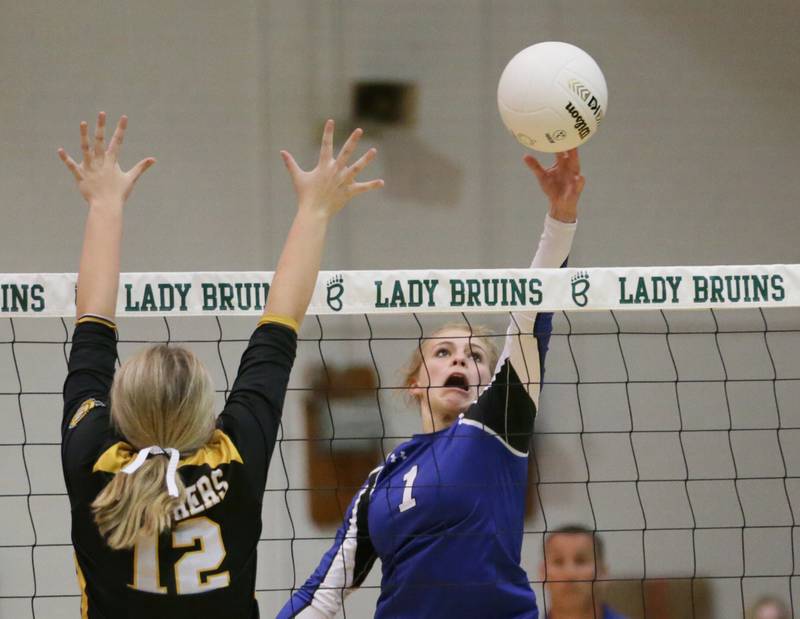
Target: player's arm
{"x": 508, "y": 407}
{"x": 343, "y": 568}
{"x": 105, "y": 187}
{"x": 253, "y": 410}
{"x": 321, "y": 193}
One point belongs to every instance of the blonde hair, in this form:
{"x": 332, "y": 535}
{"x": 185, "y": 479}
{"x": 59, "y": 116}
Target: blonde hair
{"x": 415, "y": 361}
{"x": 161, "y": 396}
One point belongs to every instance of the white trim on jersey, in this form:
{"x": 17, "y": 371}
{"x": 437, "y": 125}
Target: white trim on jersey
{"x": 341, "y": 572}
{"x": 488, "y": 430}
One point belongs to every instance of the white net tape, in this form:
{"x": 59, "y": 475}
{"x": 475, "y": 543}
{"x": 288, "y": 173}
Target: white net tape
{"x": 424, "y": 291}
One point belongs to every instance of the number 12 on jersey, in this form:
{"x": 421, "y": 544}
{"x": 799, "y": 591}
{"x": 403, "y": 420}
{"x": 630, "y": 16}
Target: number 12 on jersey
{"x": 189, "y": 567}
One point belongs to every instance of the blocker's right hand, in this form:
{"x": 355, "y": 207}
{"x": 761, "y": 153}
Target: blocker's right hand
{"x": 100, "y": 179}
{"x": 331, "y": 184}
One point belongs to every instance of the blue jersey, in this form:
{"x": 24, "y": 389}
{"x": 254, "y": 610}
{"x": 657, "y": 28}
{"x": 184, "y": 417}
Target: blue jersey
{"x": 445, "y": 511}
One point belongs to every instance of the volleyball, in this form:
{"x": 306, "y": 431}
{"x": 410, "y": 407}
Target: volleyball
{"x": 552, "y": 96}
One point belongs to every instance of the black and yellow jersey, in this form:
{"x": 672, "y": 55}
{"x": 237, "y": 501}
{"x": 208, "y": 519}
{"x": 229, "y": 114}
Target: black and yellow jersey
{"x": 205, "y": 565}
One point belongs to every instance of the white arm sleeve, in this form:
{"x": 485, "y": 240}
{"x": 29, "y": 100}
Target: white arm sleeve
{"x": 554, "y": 244}
{"x": 520, "y": 345}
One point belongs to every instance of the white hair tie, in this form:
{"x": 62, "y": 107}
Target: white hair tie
{"x": 172, "y": 467}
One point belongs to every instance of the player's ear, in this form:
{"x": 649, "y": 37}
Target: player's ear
{"x": 415, "y": 383}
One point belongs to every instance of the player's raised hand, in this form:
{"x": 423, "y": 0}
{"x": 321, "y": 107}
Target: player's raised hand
{"x": 100, "y": 179}
{"x": 562, "y": 183}
{"x": 329, "y": 186}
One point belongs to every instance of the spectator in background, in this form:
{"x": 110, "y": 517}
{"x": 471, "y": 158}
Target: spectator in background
{"x": 769, "y": 607}
{"x": 574, "y": 560}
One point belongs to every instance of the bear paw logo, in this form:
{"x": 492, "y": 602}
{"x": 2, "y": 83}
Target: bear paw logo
{"x": 335, "y": 290}
{"x": 580, "y": 286}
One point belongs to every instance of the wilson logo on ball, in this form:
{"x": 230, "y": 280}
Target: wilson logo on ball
{"x": 586, "y": 95}
{"x": 580, "y": 124}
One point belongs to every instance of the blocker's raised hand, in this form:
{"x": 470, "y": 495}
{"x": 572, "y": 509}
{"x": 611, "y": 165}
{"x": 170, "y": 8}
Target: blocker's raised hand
{"x": 329, "y": 186}
{"x": 562, "y": 183}
{"x": 100, "y": 179}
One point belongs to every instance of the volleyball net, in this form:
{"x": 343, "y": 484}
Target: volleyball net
{"x": 669, "y": 419}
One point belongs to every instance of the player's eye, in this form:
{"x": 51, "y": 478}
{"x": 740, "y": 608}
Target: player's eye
{"x": 477, "y": 357}
{"x": 441, "y": 352}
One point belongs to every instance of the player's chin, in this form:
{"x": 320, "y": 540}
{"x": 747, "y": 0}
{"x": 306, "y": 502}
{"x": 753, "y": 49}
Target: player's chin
{"x": 448, "y": 406}
{"x": 573, "y": 589}
{"x": 456, "y": 400}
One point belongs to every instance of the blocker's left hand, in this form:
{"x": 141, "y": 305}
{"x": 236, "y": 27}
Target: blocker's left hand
{"x": 562, "y": 183}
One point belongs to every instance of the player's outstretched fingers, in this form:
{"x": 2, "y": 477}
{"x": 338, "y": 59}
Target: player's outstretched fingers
{"x": 71, "y": 165}
{"x": 87, "y": 154}
{"x": 100, "y": 136}
{"x": 357, "y": 188}
{"x": 290, "y": 164}
{"x": 326, "y": 149}
{"x": 349, "y": 147}
{"x": 140, "y": 168}
{"x": 534, "y": 166}
{"x": 117, "y": 138}
{"x": 355, "y": 169}
{"x": 573, "y": 161}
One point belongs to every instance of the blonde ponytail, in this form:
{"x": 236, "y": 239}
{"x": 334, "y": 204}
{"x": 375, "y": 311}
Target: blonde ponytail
{"x": 136, "y": 504}
{"x": 161, "y": 396}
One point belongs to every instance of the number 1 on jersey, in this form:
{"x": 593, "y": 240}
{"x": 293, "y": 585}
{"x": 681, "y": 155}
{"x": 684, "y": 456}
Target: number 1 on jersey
{"x": 408, "y": 500}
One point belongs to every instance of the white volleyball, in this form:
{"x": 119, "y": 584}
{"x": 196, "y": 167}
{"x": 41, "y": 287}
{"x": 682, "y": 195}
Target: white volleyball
{"x": 552, "y": 96}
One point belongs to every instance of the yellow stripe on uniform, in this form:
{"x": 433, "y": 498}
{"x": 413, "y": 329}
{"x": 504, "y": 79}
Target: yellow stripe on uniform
{"x": 82, "y": 585}
{"x": 219, "y": 450}
{"x": 281, "y": 320}
{"x": 98, "y": 319}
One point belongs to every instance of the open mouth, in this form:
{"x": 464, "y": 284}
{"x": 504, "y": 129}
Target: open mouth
{"x": 457, "y": 381}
